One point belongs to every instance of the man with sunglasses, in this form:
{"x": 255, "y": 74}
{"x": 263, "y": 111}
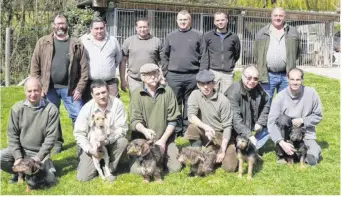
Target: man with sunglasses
{"x": 250, "y": 107}
{"x": 154, "y": 114}
{"x": 211, "y": 120}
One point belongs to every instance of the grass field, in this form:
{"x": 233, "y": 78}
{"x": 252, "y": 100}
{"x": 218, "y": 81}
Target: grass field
{"x": 269, "y": 179}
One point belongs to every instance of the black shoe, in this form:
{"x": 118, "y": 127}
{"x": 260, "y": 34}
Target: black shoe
{"x": 14, "y": 179}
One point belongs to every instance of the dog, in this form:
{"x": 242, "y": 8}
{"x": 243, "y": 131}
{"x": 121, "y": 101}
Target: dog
{"x": 29, "y": 168}
{"x": 294, "y": 136}
{"x": 97, "y": 135}
{"x": 246, "y": 151}
{"x": 201, "y": 160}
{"x": 149, "y": 158}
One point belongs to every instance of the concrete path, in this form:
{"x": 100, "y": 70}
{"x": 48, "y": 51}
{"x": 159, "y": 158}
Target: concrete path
{"x": 333, "y": 72}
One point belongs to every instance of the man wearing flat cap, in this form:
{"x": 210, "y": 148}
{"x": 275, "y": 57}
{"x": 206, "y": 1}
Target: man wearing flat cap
{"x": 154, "y": 114}
{"x": 211, "y": 120}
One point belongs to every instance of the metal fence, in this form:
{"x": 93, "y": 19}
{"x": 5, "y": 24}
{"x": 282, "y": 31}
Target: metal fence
{"x": 316, "y": 34}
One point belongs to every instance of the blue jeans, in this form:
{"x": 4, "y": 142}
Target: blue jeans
{"x": 54, "y": 95}
{"x": 261, "y": 137}
{"x": 275, "y": 81}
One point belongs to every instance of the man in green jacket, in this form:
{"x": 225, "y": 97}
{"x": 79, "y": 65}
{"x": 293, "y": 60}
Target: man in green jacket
{"x": 276, "y": 49}
{"x": 31, "y": 132}
{"x": 154, "y": 114}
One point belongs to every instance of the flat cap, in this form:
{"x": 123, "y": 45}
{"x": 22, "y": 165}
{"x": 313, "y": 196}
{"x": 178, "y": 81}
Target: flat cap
{"x": 149, "y": 67}
{"x": 205, "y": 76}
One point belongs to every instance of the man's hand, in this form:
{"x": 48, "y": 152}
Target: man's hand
{"x": 209, "y": 132}
{"x": 17, "y": 161}
{"x": 253, "y": 140}
{"x": 76, "y": 95}
{"x": 220, "y": 156}
{"x": 287, "y": 147}
{"x": 149, "y": 134}
{"x": 95, "y": 153}
{"x": 123, "y": 85}
{"x": 297, "y": 122}
{"x": 162, "y": 144}
{"x": 257, "y": 127}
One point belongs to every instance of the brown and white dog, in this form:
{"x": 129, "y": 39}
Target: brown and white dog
{"x": 99, "y": 132}
{"x": 27, "y": 167}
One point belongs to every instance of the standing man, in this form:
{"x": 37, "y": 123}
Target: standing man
{"x": 31, "y": 132}
{"x": 303, "y": 105}
{"x": 211, "y": 117}
{"x": 115, "y": 120}
{"x": 154, "y": 115}
{"x": 250, "y": 107}
{"x": 276, "y": 49}
{"x": 138, "y": 49}
{"x": 180, "y": 63}
{"x": 104, "y": 54}
{"x": 61, "y": 65}
{"x": 221, "y": 50}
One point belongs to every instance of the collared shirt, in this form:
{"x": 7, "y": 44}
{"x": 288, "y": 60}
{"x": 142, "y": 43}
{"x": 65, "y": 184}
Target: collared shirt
{"x": 276, "y": 54}
{"x": 103, "y": 56}
{"x": 115, "y": 120}
{"x": 42, "y": 103}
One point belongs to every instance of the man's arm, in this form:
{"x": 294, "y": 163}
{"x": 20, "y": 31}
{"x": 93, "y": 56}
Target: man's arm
{"x": 165, "y": 55}
{"x": 35, "y": 70}
{"x": 84, "y": 65}
{"x": 13, "y": 133}
{"x": 262, "y": 120}
{"x": 160, "y": 52}
{"x": 50, "y": 133}
{"x": 118, "y": 53}
{"x": 275, "y": 112}
{"x": 227, "y": 121}
{"x": 237, "y": 49}
{"x": 205, "y": 59}
{"x": 120, "y": 128}
{"x": 82, "y": 128}
{"x": 316, "y": 116}
{"x": 238, "y": 124}
{"x": 136, "y": 116}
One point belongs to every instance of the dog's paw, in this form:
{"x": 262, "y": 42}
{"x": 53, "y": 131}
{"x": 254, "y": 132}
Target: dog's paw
{"x": 146, "y": 181}
{"x": 159, "y": 181}
{"x": 110, "y": 178}
{"x": 28, "y": 189}
{"x": 20, "y": 180}
{"x": 249, "y": 178}
{"x": 239, "y": 175}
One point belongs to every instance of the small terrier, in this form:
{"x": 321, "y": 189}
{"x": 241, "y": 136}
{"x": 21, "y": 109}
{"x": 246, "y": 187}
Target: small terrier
{"x": 30, "y": 168}
{"x": 97, "y": 135}
{"x": 201, "y": 161}
{"x": 149, "y": 158}
{"x": 246, "y": 151}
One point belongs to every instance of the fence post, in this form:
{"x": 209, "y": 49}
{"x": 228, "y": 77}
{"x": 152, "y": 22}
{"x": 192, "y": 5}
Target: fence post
{"x": 7, "y": 55}
{"x": 239, "y": 33}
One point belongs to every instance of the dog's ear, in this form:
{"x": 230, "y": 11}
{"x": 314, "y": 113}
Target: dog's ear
{"x": 145, "y": 148}
{"x": 92, "y": 120}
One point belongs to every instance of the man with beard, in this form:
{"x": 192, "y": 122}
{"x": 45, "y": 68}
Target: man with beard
{"x": 138, "y": 49}
{"x": 276, "y": 49}
{"x": 303, "y": 105}
{"x": 221, "y": 50}
{"x": 60, "y": 63}
{"x": 180, "y": 63}
{"x": 104, "y": 54}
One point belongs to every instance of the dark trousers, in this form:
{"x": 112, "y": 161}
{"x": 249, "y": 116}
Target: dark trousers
{"x": 182, "y": 84}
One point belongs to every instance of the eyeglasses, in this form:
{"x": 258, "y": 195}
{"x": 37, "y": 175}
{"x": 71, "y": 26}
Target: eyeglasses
{"x": 249, "y": 78}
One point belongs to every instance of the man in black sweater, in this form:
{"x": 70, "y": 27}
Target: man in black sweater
{"x": 221, "y": 50}
{"x": 180, "y": 63}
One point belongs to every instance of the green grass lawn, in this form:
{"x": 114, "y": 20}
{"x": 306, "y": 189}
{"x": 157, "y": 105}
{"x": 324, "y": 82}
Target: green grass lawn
{"x": 268, "y": 178}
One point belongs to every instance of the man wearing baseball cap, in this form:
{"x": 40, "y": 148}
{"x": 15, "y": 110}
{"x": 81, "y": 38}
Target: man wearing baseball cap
{"x": 211, "y": 120}
{"x": 154, "y": 114}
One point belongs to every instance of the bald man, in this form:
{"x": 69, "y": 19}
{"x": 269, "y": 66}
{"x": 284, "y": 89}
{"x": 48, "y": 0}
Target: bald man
{"x": 250, "y": 106}
{"x": 31, "y": 132}
{"x": 276, "y": 49}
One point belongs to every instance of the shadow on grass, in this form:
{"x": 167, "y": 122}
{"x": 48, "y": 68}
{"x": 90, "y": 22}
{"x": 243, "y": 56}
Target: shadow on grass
{"x": 65, "y": 165}
{"x": 323, "y": 144}
{"x": 70, "y": 145}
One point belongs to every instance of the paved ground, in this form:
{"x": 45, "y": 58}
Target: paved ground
{"x": 333, "y": 72}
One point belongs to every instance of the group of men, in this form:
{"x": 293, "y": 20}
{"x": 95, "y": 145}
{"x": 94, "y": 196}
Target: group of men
{"x": 182, "y": 87}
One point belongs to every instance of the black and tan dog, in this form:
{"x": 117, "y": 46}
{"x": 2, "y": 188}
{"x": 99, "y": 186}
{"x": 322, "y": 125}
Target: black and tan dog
{"x": 246, "y": 151}
{"x": 31, "y": 169}
{"x": 293, "y": 135}
{"x": 201, "y": 160}
{"x": 149, "y": 158}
